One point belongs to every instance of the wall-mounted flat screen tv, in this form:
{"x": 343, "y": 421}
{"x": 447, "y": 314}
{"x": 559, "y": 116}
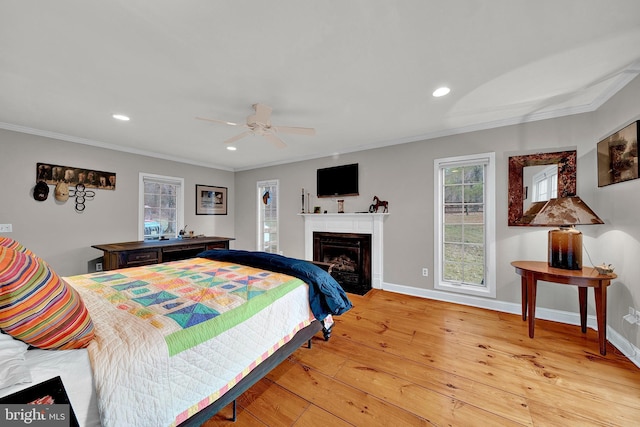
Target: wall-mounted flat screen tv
{"x": 338, "y": 181}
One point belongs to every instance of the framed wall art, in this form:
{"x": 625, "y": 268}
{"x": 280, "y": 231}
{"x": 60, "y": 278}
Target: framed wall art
{"x": 618, "y": 156}
{"x": 71, "y": 175}
{"x": 211, "y": 200}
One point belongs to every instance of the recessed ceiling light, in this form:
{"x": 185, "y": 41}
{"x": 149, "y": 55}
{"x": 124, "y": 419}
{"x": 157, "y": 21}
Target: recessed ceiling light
{"x": 231, "y": 148}
{"x": 121, "y": 117}
{"x": 441, "y": 91}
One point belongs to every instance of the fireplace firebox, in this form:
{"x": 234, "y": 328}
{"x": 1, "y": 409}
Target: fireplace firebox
{"x": 350, "y": 256}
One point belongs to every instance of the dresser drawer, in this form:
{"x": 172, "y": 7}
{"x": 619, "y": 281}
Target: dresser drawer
{"x": 218, "y": 245}
{"x": 184, "y": 248}
{"x": 132, "y": 258}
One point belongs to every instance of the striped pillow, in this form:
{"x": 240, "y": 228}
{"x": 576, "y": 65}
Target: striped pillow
{"x": 38, "y": 307}
{"x": 12, "y": 244}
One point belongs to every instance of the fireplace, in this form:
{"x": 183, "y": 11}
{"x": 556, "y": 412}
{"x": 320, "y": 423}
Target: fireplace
{"x": 348, "y": 223}
{"x": 350, "y": 256}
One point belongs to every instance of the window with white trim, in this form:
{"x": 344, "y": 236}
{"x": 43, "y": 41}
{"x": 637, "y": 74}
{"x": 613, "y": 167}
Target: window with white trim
{"x": 465, "y": 224}
{"x": 161, "y": 206}
{"x": 268, "y": 240}
{"x": 545, "y": 184}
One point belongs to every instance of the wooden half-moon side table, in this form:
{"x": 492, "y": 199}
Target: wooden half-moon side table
{"x": 532, "y": 271}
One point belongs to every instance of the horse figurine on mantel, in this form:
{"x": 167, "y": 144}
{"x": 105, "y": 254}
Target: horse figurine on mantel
{"x": 379, "y": 204}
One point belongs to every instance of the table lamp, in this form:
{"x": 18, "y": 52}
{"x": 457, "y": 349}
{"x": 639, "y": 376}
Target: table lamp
{"x": 565, "y": 243}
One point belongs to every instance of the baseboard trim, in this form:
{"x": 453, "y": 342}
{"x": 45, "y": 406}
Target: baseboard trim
{"x": 624, "y": 346}
{"x": 617, "y": 340}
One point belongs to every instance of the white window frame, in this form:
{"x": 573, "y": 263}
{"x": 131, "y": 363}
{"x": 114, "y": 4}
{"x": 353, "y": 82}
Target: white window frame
{"x": 488, "y": 288}
{"x": 547, "y": 178}
{"x": 260, "y": 244}
{"x": 179, "y": 202}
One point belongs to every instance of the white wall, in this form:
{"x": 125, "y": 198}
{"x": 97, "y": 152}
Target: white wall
{"x": 63, "y": 237}
{"x": 403, "y": 175}
{"x": 618, "y": 241}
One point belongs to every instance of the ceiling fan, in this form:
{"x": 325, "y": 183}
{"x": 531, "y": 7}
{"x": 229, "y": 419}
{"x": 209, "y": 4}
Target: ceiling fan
{"x": 260, "y": 124}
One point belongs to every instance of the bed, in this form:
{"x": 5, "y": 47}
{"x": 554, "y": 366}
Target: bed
{"x": 173, "y": 343}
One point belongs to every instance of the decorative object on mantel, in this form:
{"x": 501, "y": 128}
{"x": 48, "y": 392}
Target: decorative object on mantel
{"x": 211, "y": 200}
{"x": 81, "y": 195}
{"x": 53, "y": 174}
{"x": 377, "y": 204}
{"x": 341, "y": 206}
{"x": 618, "y": 156}
{"x": 565, "y": 243}
{"x": 302, "y": 200}
{"x": 566, "y": 161}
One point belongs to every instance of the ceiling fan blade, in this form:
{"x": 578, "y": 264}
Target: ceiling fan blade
{"x": 224, "y": 122}
{"x": 237, "y": 137}
{"x": 263, "y": 115}
{"x": 296, "y": 130}
{"x": 275, "y": 140}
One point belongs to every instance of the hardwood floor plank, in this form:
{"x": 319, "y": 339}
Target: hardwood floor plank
{"x": 397, "y": 360}
{"x": 441, "y": 409}
{"x": 316, "y": 417}
{"x": 349, "y": 403}
{"x": 553, "y": 416}
{"x": 507, "y": 405}
{"x": 223, "y": 419}
{"x": 272, "y": 404}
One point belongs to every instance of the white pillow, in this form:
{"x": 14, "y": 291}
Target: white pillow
{"x": 13, "y": 369}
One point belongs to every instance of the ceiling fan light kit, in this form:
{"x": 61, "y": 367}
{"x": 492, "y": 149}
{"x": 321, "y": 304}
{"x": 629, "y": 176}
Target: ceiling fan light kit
{"x": 260, "y": 124}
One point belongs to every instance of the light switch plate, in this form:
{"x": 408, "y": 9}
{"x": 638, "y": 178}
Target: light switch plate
{"x": 6, "y": 228}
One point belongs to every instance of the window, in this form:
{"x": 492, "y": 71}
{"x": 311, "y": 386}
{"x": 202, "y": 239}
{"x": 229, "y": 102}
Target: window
{"x": 161, "y": 206}
{"x": 268, "y": 216}
{"x": 545, "y": 184}
{"x": 465, "y": 224}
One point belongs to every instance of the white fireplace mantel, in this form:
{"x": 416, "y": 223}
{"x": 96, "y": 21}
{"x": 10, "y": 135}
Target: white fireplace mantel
{"x": 363, "y": 223}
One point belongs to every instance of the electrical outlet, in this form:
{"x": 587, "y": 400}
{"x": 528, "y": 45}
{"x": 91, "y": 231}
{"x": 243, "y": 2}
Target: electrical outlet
{"x": 98, "y": 266}
{"x": 6, "y": 228}
{"x": 633, "y": 317}
{"x": 425, "y": 272}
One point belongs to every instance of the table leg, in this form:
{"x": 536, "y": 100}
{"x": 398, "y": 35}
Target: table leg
{"x": 582, "y": 298}
{"x": 532, "y": 286}
{"x": 524, "y": 297}
{"x": 601, "y": 315}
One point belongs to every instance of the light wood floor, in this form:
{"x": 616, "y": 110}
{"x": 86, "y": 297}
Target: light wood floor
{"x": 396, "y": 360}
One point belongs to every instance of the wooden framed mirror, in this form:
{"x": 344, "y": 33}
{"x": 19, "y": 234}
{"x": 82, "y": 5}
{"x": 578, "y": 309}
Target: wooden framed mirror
{"x": 521, "y": 214}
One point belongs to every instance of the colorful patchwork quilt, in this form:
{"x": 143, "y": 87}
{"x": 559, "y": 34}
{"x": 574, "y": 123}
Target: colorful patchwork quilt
{"x": 170, "y": 338}
{"x": 189, "y": 301}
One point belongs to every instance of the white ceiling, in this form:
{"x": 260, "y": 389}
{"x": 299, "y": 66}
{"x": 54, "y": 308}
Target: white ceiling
{"x": 360, "y": 72}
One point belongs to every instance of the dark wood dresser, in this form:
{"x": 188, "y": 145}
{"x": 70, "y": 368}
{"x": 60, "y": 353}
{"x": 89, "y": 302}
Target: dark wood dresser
{"x": 133, "y": 254}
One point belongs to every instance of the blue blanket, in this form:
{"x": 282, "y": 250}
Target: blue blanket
{"x": 326, "y": 296}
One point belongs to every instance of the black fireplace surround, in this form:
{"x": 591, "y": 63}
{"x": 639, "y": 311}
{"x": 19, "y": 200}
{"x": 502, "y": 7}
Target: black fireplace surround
{"x": 350, "y": 257}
